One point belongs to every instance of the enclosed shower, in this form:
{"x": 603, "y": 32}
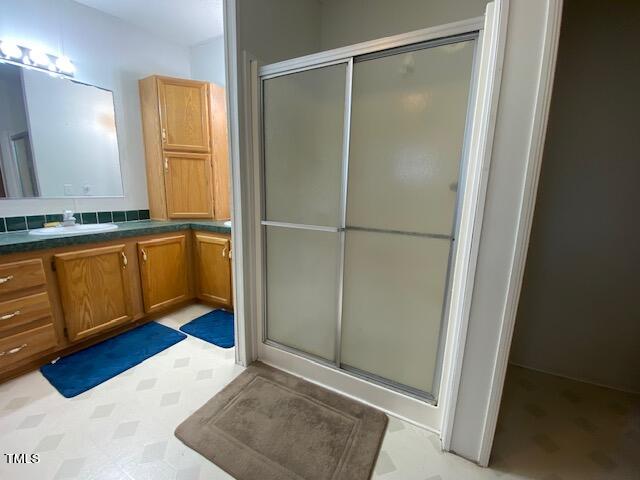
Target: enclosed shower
{"x": 362, "y": 171}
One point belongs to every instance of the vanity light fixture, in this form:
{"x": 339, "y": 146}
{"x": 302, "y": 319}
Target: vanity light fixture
{"x": 65, "y": 66}
{"x": 10, "y": 50}
{"x": 39, "y": 58}
{"x": 35, "y": 58}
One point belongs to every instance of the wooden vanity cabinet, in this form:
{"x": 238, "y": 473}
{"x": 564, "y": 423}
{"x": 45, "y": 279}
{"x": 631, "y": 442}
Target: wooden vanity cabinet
{"x": 184, "y": 127}
{"x": 94, "y": 289}
{"x": 17, "y": 276}
{"x": 26, "y": 317}
{"x": 56, "y": 301}
{"x": 213, "y": 268}
{"x": 163, "y": 271}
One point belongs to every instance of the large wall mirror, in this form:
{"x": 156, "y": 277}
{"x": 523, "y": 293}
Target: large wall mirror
{"x": 57, "y": 137}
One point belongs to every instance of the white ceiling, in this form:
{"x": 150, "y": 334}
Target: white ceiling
{"x": 183, "y": 22}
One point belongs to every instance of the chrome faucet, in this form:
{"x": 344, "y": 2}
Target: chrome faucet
{"x": 68, "y": 220}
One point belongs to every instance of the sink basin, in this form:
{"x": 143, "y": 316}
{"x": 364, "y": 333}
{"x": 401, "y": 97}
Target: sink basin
{"x": 75, "y": 229}
{"x": 227, "y": 223}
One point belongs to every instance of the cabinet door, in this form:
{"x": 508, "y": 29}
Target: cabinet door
{"x": 184, "y": 115}
{"x": 163, "y": 270}
{"x": 213, "y": 268}
{"x": 95, "y": 289}
{"x": 187, "y": 180}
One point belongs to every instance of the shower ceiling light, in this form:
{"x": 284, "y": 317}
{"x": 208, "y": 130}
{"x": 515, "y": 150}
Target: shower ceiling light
{"x": 34, "y": 58}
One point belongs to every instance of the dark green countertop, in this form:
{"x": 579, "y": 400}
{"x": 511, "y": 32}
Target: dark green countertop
{"x": 15, "y": 242}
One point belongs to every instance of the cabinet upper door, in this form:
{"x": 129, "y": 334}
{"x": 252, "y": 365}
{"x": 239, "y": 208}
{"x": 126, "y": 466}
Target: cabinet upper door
{"x": 213, "y": 268}
{"x": 163, "y": 271}
{"x": 184, "y": 115}
{"x": 95, "y": 289}
{"x": 187, "y": 181}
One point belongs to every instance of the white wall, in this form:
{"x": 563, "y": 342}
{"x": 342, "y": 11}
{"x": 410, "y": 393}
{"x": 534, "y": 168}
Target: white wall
{"x": 579, "y": 314}
{"x": 207, "y": 61}
{"x": 109, "y": 53}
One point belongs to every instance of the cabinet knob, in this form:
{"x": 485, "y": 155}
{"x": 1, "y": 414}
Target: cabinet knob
{"x": 5, "y": 279}
{"x": 164, "y": 135}
{"x": 224, "y": 251}
{"x": 125, "y": 260}
{"x": 9, "y": 316}
{"x": 144, "y": 254}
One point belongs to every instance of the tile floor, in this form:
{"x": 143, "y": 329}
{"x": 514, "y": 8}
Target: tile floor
{"x": 550, "y": 428}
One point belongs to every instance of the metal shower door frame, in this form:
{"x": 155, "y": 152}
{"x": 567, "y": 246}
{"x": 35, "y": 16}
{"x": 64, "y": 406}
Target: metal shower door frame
{"x": 481, "y": 119}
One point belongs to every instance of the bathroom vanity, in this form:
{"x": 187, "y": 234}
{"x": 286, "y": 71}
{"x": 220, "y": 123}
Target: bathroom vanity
{"x": 63, "y": 293}
{"x": 68, "y": 281}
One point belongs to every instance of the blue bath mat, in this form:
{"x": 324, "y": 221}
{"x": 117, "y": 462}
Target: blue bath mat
{"x": 80, "y": 371}
{"x": 214, "y": 327}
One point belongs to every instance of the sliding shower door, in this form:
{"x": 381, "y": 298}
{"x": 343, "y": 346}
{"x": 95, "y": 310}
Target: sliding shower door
{"x": 362, "y": 168}
{"x": 408, "y": 119}
{"x": 303, "y": 116}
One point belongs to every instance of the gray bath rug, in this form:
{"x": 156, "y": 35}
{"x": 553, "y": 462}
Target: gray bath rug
{"x": 269, "y": 425}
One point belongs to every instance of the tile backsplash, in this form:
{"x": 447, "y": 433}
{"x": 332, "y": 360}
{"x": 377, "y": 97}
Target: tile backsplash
{"x": 29, "y": 222}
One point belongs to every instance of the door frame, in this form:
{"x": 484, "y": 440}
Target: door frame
{"x": 438, "y": 418}
{"x": 518, "y": 256}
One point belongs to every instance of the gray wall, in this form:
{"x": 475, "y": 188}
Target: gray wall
{"x": 345, "y": 22}
{"x": 301, "y": 27}
{"x": 276, "y": 30}
{"x": 579, "y": 314}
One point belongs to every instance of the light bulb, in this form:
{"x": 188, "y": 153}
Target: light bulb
{"x": 10, "y": 50}
{"x": 39, "y": 58}
{"x": 65, "y": 65}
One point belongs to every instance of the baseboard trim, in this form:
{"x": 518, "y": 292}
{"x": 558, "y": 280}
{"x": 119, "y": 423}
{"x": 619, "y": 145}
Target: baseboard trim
{"x": 576, "y": 379}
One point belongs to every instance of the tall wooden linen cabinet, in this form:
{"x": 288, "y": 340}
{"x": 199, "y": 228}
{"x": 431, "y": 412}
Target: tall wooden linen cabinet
{"x": 184, "y": 124}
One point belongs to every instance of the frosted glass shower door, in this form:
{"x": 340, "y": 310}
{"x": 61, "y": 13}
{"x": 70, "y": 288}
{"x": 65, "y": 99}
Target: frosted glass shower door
{"x": 408, "y": 119}
{"x": 303, "y": 214}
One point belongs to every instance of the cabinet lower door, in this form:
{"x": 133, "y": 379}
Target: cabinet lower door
{"x": 95, "y": 289}
{"x": 213, "y": 268}
{"x": 163, "y": 271}
{"x": 187, "y": 181}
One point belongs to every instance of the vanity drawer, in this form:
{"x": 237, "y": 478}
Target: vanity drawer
{"x": 21, "y": 275}
{"x": 24, "y": 345}
{"x": 23, "y": 310}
